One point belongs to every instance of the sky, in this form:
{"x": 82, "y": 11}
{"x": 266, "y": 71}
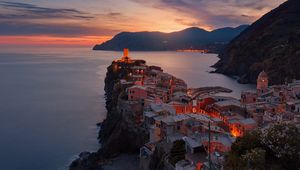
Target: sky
{"x": 89, "y": 22}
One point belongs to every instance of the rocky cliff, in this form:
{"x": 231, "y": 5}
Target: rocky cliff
{"x": 119, "y": 132}
{"x": 272, "y": 44}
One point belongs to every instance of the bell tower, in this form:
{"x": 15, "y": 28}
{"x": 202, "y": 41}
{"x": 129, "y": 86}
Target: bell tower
{"x": 262, "y": 82}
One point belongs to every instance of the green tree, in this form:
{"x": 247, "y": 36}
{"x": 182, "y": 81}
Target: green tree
{"x": 282, "y": 141}
{"x": 177, "y": 152}
{"x": 242, "y": 146}
{"x": 157, "y": 159}
{"x": 249, "y": 141}
{"x": 254, "y": 159}
{"x": 276, "y": 147}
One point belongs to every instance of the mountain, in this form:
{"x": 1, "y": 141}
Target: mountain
{"x": 190, "y": 38}
{"x": 272, "y": 43}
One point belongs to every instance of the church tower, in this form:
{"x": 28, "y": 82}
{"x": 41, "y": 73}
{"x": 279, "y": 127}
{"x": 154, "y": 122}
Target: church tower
{"x": 262, "y": 82}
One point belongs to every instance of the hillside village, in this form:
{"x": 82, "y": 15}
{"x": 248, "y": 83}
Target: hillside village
{"x": 206, "y": 121}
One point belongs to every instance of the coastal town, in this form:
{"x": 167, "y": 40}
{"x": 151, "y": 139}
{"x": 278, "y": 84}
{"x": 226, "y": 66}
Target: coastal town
{"x": 150, "y": 84}
{"x": 207, "y": 121}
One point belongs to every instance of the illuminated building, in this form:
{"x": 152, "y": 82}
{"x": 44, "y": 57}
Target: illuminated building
{"x": 262, "y": 82}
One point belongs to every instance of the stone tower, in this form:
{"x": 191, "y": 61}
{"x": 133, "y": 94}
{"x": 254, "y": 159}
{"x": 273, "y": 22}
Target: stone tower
{"x": 262, "y": 82}
{"x": 126, "y": 57}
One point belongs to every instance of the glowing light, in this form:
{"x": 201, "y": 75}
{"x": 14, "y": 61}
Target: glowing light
{"x": 235, "y": 132}
{"x": 44, "y": 40}
{"x": 194, "y": 110}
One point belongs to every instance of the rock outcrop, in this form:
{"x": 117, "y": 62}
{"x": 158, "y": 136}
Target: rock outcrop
{"x": 119, "y": 133}
{"x": 272, "y": 44}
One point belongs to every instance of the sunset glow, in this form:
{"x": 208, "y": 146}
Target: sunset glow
{"x": 90, "y": 22}
{"x": 44, "y": 40}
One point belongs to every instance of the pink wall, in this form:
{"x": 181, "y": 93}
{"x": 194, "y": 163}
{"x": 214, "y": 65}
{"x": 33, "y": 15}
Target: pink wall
{"x": 136, "y": 93}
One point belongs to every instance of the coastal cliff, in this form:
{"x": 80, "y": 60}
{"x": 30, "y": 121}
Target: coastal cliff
{"x": 119, "y": 132}
{"x": 270, "y": 44}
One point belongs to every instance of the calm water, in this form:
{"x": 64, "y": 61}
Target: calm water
{"x": 51, "y": 100}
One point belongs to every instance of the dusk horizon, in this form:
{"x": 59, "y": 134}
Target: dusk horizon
{"x": 93, "y": 22}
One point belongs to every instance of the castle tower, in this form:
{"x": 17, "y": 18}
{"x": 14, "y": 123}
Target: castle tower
{"x": 126, "y": 57}
{"x": 262, "y": 82}
{"x": 125, "y": 52}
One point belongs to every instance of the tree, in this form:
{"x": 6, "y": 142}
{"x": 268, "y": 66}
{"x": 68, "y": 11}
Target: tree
{"x": 276, "y": 147}
{"x": 282, "y": 141}
{"x": 249, "y": 141}
{"x": 243, "y": 146}
{"x": 177, "y": 152}
{"x": 157, "y": 159}
{"x": 254, "y": 159}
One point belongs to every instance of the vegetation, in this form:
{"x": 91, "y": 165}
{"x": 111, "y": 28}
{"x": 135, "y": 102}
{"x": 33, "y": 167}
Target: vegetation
{"x": 272, "y": 44}
{"x": 277, "y": 147}
{"x": 157, "y": 159}
{"x": 177, "y": 152}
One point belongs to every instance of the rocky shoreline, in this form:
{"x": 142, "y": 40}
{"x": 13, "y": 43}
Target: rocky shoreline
{"x": 118, "y": 134}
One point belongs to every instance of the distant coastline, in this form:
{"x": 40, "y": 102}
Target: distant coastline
{"x": 203, "y": 51}
{"x": 190, "y": 38}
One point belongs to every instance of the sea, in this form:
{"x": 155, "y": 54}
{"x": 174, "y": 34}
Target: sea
{"x": 52, "y": 98}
